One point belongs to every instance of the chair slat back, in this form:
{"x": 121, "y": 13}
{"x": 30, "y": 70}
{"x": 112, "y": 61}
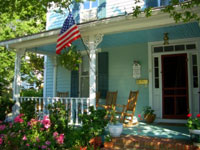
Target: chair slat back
{"x": 132, "y": 101}
{"x": 62, "y": 94}
{"x": 111, "y": 98}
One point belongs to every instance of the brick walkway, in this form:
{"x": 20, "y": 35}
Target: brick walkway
{"x": 132, "y": 142}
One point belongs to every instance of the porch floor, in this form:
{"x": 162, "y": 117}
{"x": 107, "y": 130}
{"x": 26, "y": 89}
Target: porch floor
{"x": 155, "y": 136}
{"x": 160, "y": 130}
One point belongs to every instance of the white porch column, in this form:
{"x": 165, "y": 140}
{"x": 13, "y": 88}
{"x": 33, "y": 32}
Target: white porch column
{"x": 54, "y": 76}
{"x": 92, "y": 42}
{"x": 17, "y": 81}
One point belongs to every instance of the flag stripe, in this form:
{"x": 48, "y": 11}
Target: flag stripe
{"x": 68, "y": 40}
{"x": 68, "y": 34}
{"x": 73, "y": 28}
{"x": 58, "y": 50}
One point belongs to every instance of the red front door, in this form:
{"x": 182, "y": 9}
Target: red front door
{"x": 175, "y": 86}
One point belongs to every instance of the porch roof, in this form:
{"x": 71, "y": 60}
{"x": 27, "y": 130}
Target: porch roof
{"x": 119, "y": 30}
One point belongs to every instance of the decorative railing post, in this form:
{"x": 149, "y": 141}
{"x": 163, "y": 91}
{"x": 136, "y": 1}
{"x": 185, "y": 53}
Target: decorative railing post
{"x": 92, "y": 42}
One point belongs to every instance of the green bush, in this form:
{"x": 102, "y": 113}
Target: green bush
{"x": 5, "y": 107}
{"x": 32, "y": 93}
{"x": 28, "y": 109}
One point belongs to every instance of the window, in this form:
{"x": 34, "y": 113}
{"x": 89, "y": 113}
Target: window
{"x": 90, "y": 4}
{"x": 195, "y": 71}
{"x": 156, "y": 72}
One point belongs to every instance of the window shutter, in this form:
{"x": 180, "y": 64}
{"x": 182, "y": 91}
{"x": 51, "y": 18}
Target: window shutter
{"x": 74, "y": 83}
{"x": 152, "y": 3}
{"x": 103, "y": 73}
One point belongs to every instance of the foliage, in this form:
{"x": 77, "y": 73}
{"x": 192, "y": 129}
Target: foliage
{"x": 113, "y": 117}
{"x": 70, "y": 58}
{"x": 179, "y": 11}
{"x": 28, "y": 109}
{"x": 6, "y": 107}
{"x": 51, "y": 132}
{"x": 193, "y": 123}
{"x": 147, "y": 110}
{"x": 107, "y": 138}
{"x": 93, "y": 125}
{"x": 32, "y": 93}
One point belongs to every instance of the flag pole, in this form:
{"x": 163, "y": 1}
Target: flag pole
{"x": 82, "y": 40}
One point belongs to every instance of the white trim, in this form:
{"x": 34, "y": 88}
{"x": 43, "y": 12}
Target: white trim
{"x": 150, "y": 57}
{"x": 45, "y": 76}
{"x": 54, "y": 76}
{"x": 150, "y": 71}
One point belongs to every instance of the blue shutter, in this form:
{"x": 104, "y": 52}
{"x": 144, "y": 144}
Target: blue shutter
{"x": 74, "y": 83}
{"x": 103, "y": 73}
{"x": 151, "y": 3}
{"x": 101, "y": 9}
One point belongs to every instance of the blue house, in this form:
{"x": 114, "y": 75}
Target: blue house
{"x": 154, "y": 55}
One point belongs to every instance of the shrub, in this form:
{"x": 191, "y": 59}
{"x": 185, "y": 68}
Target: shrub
{"x": 6, "y": 105}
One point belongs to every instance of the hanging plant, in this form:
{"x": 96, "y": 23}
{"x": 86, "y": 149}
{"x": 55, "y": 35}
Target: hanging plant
{"x": 70, "y": 58}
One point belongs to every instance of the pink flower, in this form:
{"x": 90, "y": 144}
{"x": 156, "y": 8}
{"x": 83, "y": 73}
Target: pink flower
{"x": 2, "y": 127}
{"x": 189, "y": 115}
{"x": 1, "y": 141}
{"x": 1, "y": 121}
{"x": 46, "y": 122}
{"x": 60, "y": 139}
{"x": 27, "y": 144}
{"x": 41, "y": 129}
{"x": 10, "y": 125}
{"x": 47, "y": 142}
{"x": 19, "y": 119}
{"x": 55, "y": 134}
{"x": 24, "y": 138}
{"x": 139, "y": 115}
{"x": 198, "y": 115}
{"x": 37, "y": 139}
{"x": 44, "y": 146}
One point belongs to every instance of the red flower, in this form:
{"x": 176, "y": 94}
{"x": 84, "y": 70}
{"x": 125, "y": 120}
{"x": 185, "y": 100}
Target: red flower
{"x": 198, "y": 115}
{"x": 189, "y": 115}
{"x": 139, "y": 115}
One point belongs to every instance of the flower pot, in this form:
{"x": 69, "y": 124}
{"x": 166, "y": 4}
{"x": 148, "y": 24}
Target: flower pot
{"x": 149, "y": 118}
{"x": 115, "y": 129}
{"x": 195, "y": 137}
{"x": 108, "y": 144}
{"x": 95, "y": 142}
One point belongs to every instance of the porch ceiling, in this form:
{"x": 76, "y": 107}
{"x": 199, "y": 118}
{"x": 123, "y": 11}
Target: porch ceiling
{"x": 118, "y": 31}
{"x": 182, "y": 31}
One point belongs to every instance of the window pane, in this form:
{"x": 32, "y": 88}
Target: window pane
{"x": 195, "y": 71}
{"x": 195, "y": 82}
{"x": 156, "y": 72}
{"x": 179, "y": 47}
{"x": 158, "y": 49}
{"x": 191, "y": 46}
{"x": 95, "y": 4}
{"x": 86, "y": 5}
{"x": 194, "y": 60}
{"x": 156, "y": 62}
{"x": 168, "y": 48}
{"x": 157, "y": 83}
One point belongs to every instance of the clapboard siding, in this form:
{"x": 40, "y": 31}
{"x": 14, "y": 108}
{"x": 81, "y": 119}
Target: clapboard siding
{"x": 63, "y": 79}
{"x": 49, "y": 76}
{"x": 121, "y": 72}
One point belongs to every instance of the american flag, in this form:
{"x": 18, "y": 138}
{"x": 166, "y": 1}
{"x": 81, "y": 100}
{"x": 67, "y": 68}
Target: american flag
{"x": 68, "y": 34}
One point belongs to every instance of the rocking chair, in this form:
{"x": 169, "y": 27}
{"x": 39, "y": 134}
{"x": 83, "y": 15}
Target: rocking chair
{"x": 128, "y": 110}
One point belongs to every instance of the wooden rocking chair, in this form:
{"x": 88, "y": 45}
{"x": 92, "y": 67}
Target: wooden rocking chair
{"x": 128, "y": 110}
{"x": 62, "y": 94}
{"x": 111, "y": 99}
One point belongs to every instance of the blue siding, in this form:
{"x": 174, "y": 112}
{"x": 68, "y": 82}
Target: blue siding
{"x": 63, "y": 79}
{"x": 121, "y": 72}
{"x": 49, "y": 76}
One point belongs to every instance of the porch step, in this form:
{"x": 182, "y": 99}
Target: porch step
{"x": 132, "y": 142}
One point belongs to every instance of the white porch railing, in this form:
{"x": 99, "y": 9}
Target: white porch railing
{"x": 75, "y": 106}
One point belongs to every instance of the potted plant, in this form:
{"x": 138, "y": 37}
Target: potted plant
{"x": 108, "y": 142}
{"x": 115, "y": 128}
{"x": 193, "y": 125}
{"x": 149, "y": 115}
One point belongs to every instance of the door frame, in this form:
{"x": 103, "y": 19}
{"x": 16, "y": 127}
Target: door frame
{"x": 151, "y": 56}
